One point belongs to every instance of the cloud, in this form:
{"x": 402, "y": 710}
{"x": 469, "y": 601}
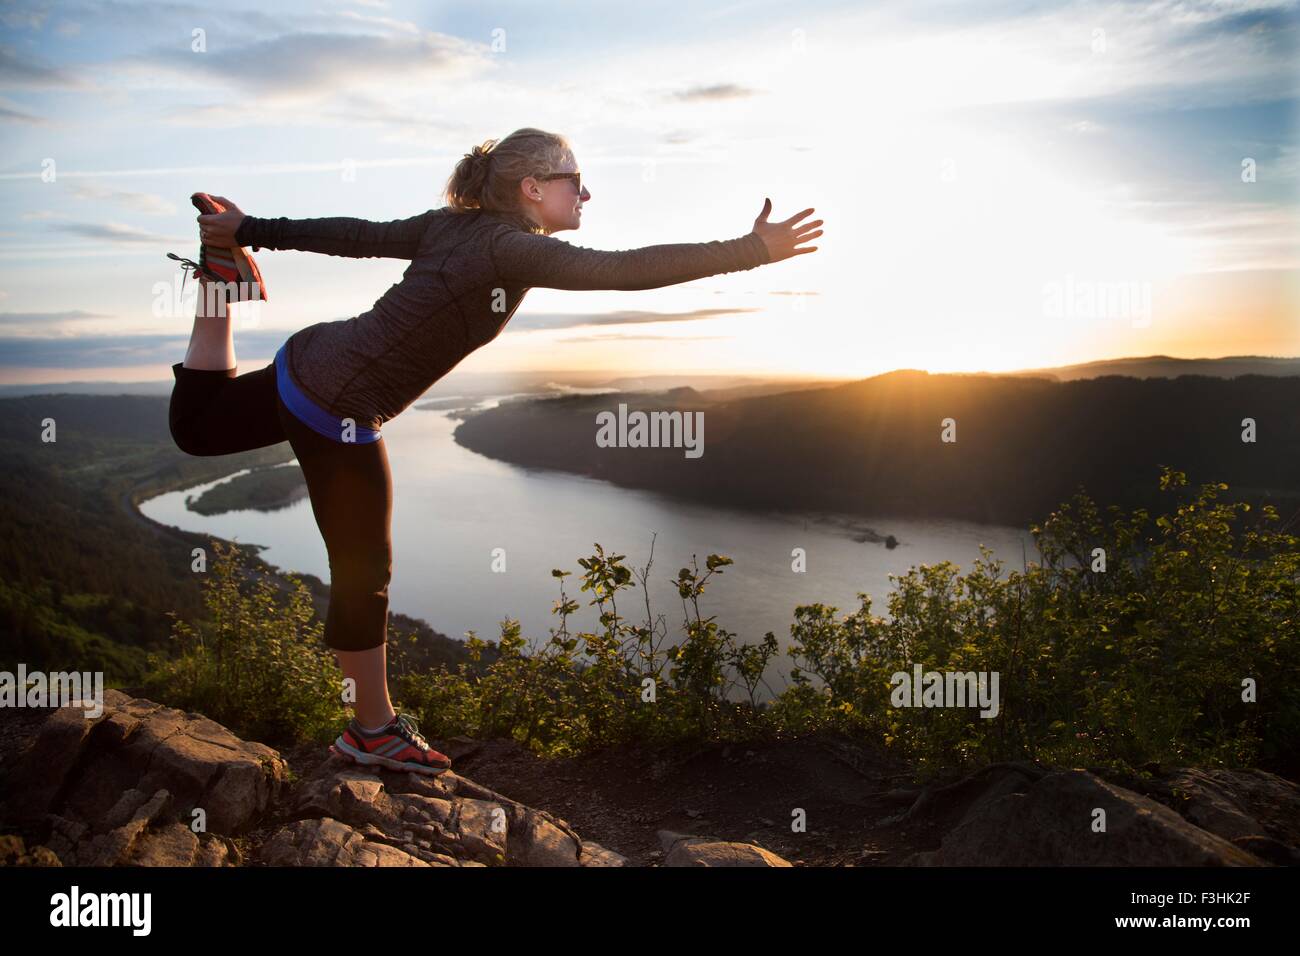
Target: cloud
{"x": 16, "y": 72}
{"x": 248, "y": 169}
{"x": 147, "y": 203}
{"x": 303, "y": 67}
{"x": 40, "y": 318}
{"x": 678, "y": 137}
{"x": 718, "y": 91}
{"x": 115, "y": 232}
{"x": 622, "y": 317}
{"x": 608, "y": 339}
{"x": 11, "y": 112}
{"x": 394, "y": 122}
{"x": 391, "y": 23}
{"x": 112, "y": 351}
{"x": 1084, "y": 126}
{"x": 22, "y": 19}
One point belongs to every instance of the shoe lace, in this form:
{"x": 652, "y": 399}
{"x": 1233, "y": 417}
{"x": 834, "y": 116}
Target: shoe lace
{"x": 187, "y": 266}
{"x": 410, "y": 730}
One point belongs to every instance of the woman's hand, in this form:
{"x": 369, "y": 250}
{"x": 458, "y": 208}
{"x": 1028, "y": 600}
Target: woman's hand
{"x": 782, "y": 238}
{"x": 218, "y": 229}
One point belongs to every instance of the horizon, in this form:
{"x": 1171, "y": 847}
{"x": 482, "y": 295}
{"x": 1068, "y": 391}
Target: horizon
{"x": 1031, "y": 186}
{"x": 560, "y": 374}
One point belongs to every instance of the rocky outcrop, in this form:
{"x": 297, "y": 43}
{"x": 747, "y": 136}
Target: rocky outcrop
{"x": 147, "y": 785}
{"x": 1019, "y": 814}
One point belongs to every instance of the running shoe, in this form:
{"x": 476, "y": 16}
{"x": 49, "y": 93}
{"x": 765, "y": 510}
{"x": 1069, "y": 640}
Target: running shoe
{"x": 398, "y": 746}
{"x": 233, "y": 266}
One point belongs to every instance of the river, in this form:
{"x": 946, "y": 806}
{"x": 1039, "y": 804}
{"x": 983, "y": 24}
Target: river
{"x": 453, "y": 508}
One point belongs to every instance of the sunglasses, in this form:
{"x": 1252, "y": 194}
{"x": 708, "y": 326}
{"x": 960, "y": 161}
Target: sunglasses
{"x": 576, "y": 177}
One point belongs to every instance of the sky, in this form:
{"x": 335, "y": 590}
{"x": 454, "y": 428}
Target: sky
{"x": 1004, "y": 185}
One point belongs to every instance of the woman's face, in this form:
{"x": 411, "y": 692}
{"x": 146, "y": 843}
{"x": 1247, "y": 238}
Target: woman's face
{"x": 555, "y": 204}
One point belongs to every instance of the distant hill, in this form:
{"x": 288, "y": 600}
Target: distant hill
{"x": 873, "y": 447}
{"x": 1162, "y": 366}
{"x": 159, "y": 387}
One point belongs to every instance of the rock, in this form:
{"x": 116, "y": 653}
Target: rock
{"x": 14, "y": 852}
{"x": 593, "y": 854}
{"x": 686, "y": 849}
{"x": 900, "y": 795}
{"x": 329, "y": 842}
{"x": 458, "y": 747}
{"x": 1049, "y": 823}
{"x": 1269, "y": 850}
{"x": 118, "y": 790}
{"x": 547, "y": 845}
{"x": 82, "y": 768}
{"x": 1236, "y": 804}
{"x": 64, "y": 835}
{"x": 118, "y": 844}
{"x": 483, "y": 828}
{"x": 446, "y": 818}
{"x": 945, "y": 805}
{"x": 177, "y": 845}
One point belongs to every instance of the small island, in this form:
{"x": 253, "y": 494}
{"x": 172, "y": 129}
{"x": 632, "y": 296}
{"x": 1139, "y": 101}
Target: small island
{"x": 263, "y": 489}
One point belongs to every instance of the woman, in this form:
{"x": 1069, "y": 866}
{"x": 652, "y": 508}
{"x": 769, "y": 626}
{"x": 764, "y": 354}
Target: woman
{"x": 333, "y": 384}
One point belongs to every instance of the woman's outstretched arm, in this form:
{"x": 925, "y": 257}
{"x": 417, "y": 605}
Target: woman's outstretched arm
{"x": 337, "y": 235}
{"x": 545, "y": 262}
{"x": 333, "y": 235}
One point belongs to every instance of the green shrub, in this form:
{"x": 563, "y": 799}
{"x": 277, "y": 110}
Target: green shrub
{"x": 257, "y": 664}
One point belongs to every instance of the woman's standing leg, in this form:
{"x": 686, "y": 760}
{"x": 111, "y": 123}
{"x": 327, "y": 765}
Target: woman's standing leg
{"x": 351, "y": 490}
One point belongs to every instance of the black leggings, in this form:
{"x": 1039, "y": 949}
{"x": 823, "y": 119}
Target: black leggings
{"x": 351, "y": 487}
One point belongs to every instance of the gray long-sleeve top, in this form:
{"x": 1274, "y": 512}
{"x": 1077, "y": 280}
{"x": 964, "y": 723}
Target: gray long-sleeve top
{"x": 469, "y": 272}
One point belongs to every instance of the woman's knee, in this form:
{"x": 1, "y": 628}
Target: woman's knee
{"x": 185, "y": 415}
{"x": 369, "y": 570}
{"x": 189, "y": 438}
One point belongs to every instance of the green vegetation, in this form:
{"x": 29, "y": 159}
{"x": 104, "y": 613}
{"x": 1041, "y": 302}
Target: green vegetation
{"x": 1142, "y": 663}
{"x": 259, "y": 665}
{"x": 86, "y": 583}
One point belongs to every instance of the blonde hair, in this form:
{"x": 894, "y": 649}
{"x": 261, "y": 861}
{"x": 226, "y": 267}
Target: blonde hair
{"x": 488, "y": 176}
